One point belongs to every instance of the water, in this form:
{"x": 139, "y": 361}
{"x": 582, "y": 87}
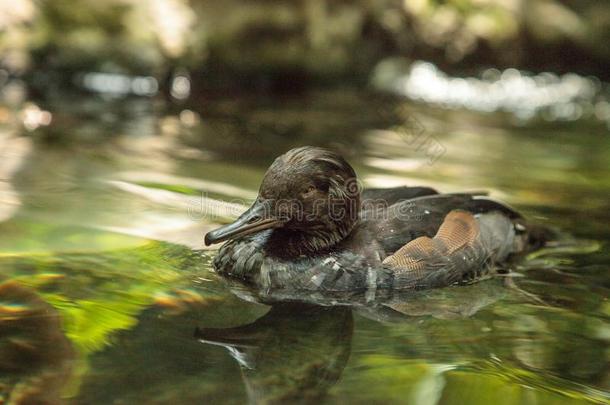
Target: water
{"x": 524, "y": 95}
{"x": 105, "y": 297}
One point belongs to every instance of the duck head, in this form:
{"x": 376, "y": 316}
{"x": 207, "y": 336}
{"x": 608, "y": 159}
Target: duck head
{"x": 309, "y": 196}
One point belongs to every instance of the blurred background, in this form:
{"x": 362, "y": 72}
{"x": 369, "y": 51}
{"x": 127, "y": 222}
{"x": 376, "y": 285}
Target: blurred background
{"x": 185, "y": 50}
{"x": 294, "y": 44}
{"x": 129, "y": 128}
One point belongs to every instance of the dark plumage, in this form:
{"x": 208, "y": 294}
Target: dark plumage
{"x": 312, "y": 228}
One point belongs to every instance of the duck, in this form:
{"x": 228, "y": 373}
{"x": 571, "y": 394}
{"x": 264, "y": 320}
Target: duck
{"x": 314, "y": 227}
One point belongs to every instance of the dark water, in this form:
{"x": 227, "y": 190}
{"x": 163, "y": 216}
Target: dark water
{"x": 104, "y": 297}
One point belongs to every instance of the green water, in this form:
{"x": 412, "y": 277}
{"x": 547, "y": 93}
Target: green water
{"x": 103, "y": 283}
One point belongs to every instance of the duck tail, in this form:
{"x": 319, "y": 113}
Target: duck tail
{"x": 538, "y": 236}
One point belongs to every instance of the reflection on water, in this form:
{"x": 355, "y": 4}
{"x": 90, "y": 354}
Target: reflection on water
{"x": 119, "y": 85}
{"x": 566, "y": 98}
{"x": 292, "y": 353}
{"x": 100, "y": 210}
{"x": 35, "y": 356}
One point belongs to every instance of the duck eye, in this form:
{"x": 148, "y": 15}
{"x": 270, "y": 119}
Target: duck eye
{"x": 310, "y": 190}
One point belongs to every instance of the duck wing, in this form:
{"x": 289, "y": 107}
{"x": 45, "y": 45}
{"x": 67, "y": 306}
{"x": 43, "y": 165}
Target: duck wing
{"x": 465, "y": 247}
{"x": 406, "y": 220}
{"x": 393, "y": 195}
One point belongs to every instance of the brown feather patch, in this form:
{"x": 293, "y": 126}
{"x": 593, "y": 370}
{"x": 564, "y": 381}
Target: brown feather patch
{"x": 459, "y": 229}
{"x": 412, "y": 254}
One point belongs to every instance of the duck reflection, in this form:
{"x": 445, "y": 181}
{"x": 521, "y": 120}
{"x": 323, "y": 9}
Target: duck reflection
{"x": 298, "y": 350}
{"x": 35, "y": 355}
{"x": 292, "y": 354}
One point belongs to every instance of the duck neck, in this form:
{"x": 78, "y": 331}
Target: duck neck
{"x": 291, "y": 243}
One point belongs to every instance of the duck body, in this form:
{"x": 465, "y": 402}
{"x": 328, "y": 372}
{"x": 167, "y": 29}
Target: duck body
{"x": 389, "y": 239}
{"x": 357, "y": 262}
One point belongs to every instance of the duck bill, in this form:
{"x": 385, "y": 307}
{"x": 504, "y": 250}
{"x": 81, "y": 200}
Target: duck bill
{"x": 256, "y": 219}
{"x": 236, "y": 337}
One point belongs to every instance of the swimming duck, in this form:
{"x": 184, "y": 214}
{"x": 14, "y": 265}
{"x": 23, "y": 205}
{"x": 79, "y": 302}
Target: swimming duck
{"x": 313, "y": 227}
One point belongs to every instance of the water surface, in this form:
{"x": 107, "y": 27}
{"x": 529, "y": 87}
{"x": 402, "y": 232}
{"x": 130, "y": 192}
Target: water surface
{"x": 103, "y": 213}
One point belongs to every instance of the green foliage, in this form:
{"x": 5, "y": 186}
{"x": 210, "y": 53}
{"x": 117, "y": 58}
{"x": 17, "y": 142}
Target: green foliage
{"x": 99, "y": 294}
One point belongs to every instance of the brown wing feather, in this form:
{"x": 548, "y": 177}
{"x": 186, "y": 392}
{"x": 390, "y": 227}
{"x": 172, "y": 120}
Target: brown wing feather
{"x": 459, "y": 229}
{"x": 462, "y": 247}
{"x": 413, "y": 255}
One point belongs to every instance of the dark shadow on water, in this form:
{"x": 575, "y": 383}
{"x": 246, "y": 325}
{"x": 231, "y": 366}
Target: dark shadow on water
{"x": 298, "y": 350}
{"x": 292, "y": 354}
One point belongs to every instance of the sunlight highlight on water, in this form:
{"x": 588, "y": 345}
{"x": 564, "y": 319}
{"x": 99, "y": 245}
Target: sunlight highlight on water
{"x": 569, "y": 97}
